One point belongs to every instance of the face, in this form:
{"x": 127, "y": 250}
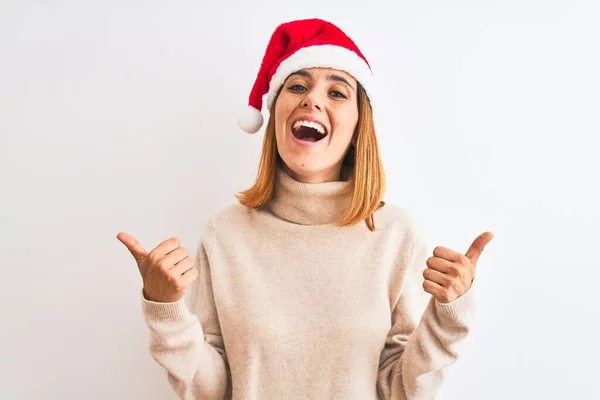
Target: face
{"x": 315, "y": 117}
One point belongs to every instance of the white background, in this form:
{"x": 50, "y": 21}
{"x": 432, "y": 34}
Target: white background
{"x": 121, "y": 116}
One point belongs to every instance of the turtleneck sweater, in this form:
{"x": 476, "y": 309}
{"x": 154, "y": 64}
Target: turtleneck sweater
{"x": 287, "y": 305}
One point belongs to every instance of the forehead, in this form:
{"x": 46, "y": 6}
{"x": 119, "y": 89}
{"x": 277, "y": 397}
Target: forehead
{"x": 319, "y": 72}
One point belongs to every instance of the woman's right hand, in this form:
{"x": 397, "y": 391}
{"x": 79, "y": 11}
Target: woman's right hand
{"x": 166, "y": 271}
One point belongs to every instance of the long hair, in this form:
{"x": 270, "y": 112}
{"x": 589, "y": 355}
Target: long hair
{"x": 364, "y": 161}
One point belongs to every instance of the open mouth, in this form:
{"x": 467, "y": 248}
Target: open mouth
{"x": 308, "y": 131}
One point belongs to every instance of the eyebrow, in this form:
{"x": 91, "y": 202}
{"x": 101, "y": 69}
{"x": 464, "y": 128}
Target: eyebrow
{"x": 330, "y": 77}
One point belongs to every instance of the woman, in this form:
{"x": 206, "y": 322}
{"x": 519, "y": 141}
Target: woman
{"x": 311, "y": 287}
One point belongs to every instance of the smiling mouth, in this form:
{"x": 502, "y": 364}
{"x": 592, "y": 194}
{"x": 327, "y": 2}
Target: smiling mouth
{"x": 308, "y": 131}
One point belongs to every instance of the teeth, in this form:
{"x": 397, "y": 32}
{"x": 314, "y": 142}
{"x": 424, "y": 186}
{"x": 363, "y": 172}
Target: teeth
{"x": 310, "y": 124}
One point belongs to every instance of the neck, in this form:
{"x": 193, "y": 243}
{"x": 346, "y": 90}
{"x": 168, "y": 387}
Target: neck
{"x": 336, "y": 173}
{"x": 310, "y": 203}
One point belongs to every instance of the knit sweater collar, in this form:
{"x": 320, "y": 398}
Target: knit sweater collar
{"x": 309, "y": 203}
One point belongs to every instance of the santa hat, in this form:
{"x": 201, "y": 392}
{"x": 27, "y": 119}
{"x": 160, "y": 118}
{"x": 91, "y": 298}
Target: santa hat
{"x": 302, "y": 44}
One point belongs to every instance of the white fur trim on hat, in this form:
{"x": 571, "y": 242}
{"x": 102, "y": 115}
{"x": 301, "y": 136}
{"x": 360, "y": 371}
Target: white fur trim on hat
{"x": 325, "y": 56}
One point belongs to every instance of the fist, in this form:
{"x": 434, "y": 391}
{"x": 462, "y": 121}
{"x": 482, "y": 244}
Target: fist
{"x": 450, "y": 274}
{"x": 166, "y": 271}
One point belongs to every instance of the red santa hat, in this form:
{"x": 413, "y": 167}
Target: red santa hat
{"x": 297, "y": 45}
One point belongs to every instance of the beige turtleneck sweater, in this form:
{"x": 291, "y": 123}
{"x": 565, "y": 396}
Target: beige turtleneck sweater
{"x": 289, "y": 306}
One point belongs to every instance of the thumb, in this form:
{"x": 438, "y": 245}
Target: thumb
{"x": 477, "y": 246}
{"x": 133, "y": 246}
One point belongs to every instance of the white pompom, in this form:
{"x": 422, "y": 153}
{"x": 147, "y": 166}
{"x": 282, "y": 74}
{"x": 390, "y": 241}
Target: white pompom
{"x": 250, "y": 120}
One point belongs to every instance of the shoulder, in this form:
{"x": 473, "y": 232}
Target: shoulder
{"x": 393, "y": 216}
{"x": 221, "y": 222}
{"x": 234, "y": 216}
{"x": 402, "y": 224}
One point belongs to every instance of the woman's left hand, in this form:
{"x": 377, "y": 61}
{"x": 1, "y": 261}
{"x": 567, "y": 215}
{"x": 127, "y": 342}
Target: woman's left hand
{"x": 450, "y": 274}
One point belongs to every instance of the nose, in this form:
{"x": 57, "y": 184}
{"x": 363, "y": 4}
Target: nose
{"x": 310, "y": 102}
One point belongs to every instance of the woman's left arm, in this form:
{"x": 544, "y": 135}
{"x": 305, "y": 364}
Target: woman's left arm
{"x": 418, "y": 350}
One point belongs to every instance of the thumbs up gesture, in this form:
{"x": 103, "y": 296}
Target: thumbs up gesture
{"x": 166, "y": 271}
{"x": 450, "y": 274}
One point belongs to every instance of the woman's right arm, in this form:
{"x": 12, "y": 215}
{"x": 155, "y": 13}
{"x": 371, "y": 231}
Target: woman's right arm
{"x": 187, "y": 341}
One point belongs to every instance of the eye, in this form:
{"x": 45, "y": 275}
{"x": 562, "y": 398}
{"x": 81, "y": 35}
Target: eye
{"x": 297, "y": 88}
{"x": 338, "y": 94}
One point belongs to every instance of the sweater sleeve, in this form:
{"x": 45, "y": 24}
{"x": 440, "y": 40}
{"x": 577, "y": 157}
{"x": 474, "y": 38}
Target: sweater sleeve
{"x": 186, "y": 341}
{"x": 425, "y": 335}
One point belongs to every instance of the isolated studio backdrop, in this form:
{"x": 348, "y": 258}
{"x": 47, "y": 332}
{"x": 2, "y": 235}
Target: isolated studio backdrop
{"x": 121, "y": 116}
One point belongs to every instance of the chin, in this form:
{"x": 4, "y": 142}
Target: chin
{"x": 304, "y": 166}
